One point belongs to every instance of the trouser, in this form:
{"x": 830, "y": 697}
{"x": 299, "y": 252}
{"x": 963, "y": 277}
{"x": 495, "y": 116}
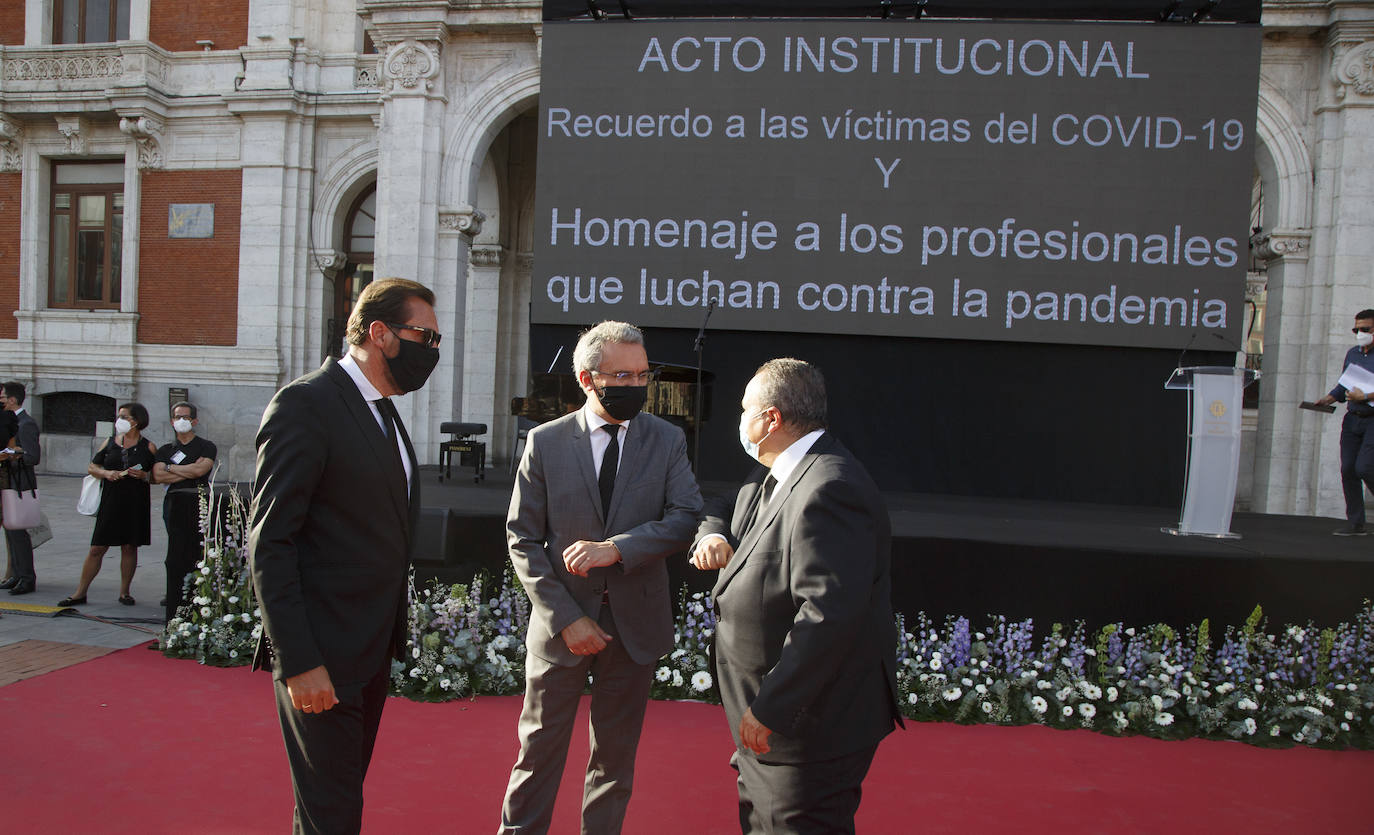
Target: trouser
{"x": 21, "y": 554}
{"x": 329, "y": 753}
{"x": 1357, "y": 463}
{"x": 800, "y": 798}
{"x": 620, "y": 692}
{"x": 181, "y": 515}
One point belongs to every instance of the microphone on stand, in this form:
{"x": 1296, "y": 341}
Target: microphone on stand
{"x": 700, "y": 349}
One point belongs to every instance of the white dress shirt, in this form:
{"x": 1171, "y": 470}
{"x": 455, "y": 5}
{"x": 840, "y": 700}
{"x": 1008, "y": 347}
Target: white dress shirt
{"x": 601, "y": 439}
{"x": 782, "y": 469}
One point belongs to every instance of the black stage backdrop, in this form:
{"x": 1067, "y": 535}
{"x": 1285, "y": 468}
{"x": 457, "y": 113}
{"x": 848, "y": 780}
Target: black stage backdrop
{"x": 958, "y": 417}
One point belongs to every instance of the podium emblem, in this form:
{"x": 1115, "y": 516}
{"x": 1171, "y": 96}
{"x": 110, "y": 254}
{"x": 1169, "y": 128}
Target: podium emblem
{"x": 1218, "y": 408}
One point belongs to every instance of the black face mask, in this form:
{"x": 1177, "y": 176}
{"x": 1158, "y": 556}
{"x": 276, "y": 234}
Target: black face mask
{"x": 411, "y": 366}
{"x": 622, "y": 402}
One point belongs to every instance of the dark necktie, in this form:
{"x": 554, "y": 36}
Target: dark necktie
{"x": 392, "y": 420}
{"x": 387, "y": 410}
{"x": 764, "y": 496}
{"x": 606, "y": 478}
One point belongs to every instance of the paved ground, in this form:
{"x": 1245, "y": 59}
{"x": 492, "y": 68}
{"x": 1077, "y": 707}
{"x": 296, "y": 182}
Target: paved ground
{"x": 104, "y": 622}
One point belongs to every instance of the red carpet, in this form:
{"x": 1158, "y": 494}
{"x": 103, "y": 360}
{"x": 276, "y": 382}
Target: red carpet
{"x": 134, "y": 742}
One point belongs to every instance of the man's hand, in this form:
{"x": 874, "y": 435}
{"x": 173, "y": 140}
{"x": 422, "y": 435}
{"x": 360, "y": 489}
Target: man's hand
{"x": 1356, "y": 395}
{"x": 582, "y": 556}
{"x": 585, "y": 636}
{"x": 711, "y": 553}
{"x": 753, "y": 733}
{"x": 312, "y": 691}
{"x": 1326, "y": 400}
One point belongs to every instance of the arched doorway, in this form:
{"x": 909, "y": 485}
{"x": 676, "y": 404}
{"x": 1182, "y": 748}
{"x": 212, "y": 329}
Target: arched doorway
{"x": 359, "y": 247}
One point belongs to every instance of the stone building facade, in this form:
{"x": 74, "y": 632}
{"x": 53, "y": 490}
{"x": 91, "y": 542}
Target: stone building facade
{"x": 192, "y": 193}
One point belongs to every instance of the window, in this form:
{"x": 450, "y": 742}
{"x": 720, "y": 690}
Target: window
{"x": 87, "y": 234}
{"x": 90, "y": 21}
{"x": 75, "y": 412}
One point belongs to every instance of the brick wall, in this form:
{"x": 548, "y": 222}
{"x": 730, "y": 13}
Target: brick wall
{"x": 188, "y": 288}
{"x": 178, "y": 24}
{"x": 9, "y": 255}
{"x": 12, "y": 22}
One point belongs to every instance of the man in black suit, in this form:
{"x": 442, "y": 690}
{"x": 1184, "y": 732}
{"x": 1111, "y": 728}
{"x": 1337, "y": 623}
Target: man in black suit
{"x": 21, "y": 578}
{"x": 805, "y": 647}
{"x": 334, "y": 508}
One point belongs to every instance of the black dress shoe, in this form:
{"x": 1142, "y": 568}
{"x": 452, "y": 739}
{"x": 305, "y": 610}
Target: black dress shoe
{"x": 9, "y": 582}
{"x": 23, "y": 587}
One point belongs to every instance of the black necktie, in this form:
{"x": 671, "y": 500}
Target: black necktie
{"x": 392, "y": 420}
{"x": 767, "y": 493}
{"x": 606, "y": 478}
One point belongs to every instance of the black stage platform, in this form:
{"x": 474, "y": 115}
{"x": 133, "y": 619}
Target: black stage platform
{"x": 1047, "y": 560}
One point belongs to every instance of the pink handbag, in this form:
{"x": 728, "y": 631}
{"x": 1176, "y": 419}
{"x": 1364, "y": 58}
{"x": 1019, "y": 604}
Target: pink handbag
{"x": 19, "y": 501}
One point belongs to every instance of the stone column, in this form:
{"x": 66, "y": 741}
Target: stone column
{"x": 410, "y": 151}
{"x": 481, "y": 349}
{"x": 443, "y": 398}
{"x": 1282, "y": 462}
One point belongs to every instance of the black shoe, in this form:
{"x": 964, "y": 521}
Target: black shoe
{"x": 127, "y": 599}
{"x": 1351, "y": 530}
{"x": 24, "y": 587}
{"x": 72, "y": 601}
{"x": 9, "y": 582}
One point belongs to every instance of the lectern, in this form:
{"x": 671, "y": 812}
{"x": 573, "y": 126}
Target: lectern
{"x": 1214, "y": 410}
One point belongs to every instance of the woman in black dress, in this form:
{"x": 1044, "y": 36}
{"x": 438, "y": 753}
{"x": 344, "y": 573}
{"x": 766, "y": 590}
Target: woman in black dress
{"x": 125, "y": 463}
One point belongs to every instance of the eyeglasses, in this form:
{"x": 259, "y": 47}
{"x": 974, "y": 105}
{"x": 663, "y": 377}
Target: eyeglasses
{"x": 642, "y": 378}
{"x": 431, "y": 338}
{"x": 1365, "y": 329}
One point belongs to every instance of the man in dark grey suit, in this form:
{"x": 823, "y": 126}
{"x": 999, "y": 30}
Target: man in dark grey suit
{"x": 805, "y": 645}
{"x": 601, "y": 497}
{"x": 334, "y": 508}
{"x": 21, "y": 578}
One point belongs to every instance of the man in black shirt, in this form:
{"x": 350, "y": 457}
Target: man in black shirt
{"x": 184, "y": 466}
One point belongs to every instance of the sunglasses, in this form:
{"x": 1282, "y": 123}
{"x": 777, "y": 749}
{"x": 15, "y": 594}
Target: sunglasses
{"x": 431, "y": 338}
{"x": 1362, "y": 330}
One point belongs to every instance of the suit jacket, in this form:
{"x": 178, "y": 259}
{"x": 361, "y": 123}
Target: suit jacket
{"x": 556, "y": 502}
{"x": 331, "y": 532}
{"x": 806, "y": 636}
{"x": 27, "y": 435}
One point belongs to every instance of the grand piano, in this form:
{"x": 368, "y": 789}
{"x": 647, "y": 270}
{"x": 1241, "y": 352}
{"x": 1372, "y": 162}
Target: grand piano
{"x": 672, "y": 396}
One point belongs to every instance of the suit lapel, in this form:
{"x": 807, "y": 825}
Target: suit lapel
{"x": 775, "y": 505}
{"x": 380, "y": 445}
{"x": 582, "y": 453}
{"x": 632, "y": 451}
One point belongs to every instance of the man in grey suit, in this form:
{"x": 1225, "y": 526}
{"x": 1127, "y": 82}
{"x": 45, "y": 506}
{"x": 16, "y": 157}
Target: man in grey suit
{"x": 602, "y": 496}
{"x": 805, "y": 645}
{"x": 21, "y": 578}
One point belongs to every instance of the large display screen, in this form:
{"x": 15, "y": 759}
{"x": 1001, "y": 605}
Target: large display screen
{"x": 1030, "y": 182}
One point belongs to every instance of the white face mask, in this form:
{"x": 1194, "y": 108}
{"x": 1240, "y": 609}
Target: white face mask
{"x": 751, "y": 448}
{"x": 182, "y": 425}
{"x": 1363, "y": 339}
{"x": 122, "y": 426}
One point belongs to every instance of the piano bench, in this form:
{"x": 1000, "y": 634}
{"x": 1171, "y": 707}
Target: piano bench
{"x": 471, "y": 452}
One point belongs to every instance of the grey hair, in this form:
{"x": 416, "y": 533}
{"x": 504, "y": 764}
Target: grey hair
{"x": 587, "y": 355}
{"x": 796, "y": 389}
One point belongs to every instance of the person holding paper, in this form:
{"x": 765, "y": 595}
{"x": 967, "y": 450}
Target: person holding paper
{"x": 1356, "y": 388}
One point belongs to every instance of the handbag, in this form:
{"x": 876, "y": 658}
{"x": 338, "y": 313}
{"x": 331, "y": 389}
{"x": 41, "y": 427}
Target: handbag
{"x": 19, "y": 501}
{"x": 89, "y": 502}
